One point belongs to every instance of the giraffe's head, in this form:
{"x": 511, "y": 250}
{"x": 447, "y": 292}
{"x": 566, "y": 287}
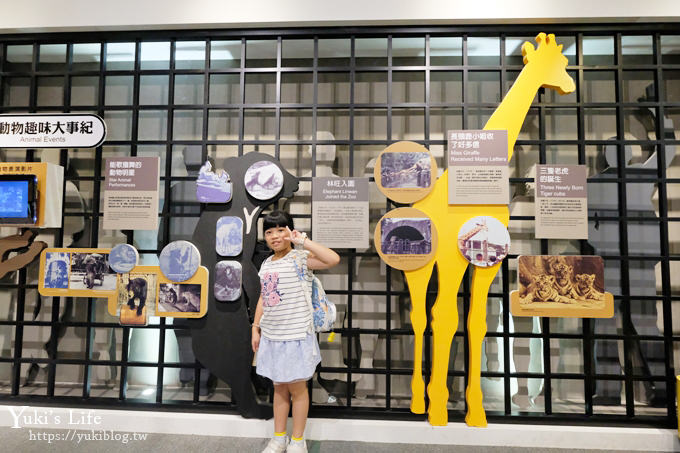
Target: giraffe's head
{"x": 549, "y": 61}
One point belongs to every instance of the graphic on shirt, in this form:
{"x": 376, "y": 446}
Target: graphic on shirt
{"x": 270, "y": 289}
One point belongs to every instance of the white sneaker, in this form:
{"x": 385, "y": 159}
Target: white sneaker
{"x": 297, "y": 447}
{"x": 276, "y": 446}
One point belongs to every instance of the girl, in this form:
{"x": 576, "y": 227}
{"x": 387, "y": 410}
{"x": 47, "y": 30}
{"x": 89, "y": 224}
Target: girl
{"x": 283, "y": 334}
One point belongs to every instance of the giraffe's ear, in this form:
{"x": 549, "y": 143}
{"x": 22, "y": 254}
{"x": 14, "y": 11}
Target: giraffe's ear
{"x": 527, "y": 51}
{"x": 560, "y": 47}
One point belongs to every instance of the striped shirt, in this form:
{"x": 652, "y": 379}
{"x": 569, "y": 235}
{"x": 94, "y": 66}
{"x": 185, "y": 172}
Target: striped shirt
{"x": 287, "y": 315}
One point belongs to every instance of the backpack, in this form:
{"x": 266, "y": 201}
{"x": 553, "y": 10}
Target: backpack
{"x": 323, "y": 310}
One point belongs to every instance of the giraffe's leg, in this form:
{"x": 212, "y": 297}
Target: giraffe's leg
{"x": 481, "y": 281}
{"x": 417, "y": 284}
{"x": 450, "y": 270}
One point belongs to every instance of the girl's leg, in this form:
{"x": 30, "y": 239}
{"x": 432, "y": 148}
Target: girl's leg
{"x": 281, "y": 407}
{"x": 298, "y": 392}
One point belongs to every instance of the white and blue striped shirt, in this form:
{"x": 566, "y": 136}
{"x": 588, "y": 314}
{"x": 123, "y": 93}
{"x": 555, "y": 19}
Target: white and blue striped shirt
{"x": 287, "y": 315}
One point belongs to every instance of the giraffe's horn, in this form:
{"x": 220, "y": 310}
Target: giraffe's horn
{"x": 527, "y": 50}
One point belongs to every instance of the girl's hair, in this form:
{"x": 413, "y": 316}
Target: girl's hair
{"x": 277, "y": 219}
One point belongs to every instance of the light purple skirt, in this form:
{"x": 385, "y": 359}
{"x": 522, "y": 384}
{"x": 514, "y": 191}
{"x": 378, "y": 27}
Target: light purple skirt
{"x": 288, "y": 361}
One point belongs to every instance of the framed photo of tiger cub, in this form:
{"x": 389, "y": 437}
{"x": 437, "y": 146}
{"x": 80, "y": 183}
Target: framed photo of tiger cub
{"x": 561, "y": 286}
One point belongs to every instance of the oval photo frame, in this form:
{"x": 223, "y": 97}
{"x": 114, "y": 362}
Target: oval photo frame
{"x": 484, "y": 241}
{"x": 406, "y": 239}
{"x": 179, "y": 260}
{"x": 405, "y": 172}
{"x": 123, "y": 258}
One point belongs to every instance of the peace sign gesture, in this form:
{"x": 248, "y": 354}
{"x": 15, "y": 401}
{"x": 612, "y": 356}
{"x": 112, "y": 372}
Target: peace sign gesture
{"x": 295, "y": 236}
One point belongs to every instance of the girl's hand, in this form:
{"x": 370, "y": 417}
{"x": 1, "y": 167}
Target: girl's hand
{"x": 255, "y": 340}
{"x": 295, "y": 236}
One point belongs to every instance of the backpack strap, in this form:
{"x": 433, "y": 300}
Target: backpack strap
{"x": 299, "y": 270}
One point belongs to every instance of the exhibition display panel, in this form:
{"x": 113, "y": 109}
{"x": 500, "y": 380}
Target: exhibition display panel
{"x": 236, "y": 123}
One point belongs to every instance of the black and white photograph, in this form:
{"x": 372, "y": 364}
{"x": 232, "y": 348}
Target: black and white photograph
{"x": 91, "y": 271}
{"x": 137, "y": 291}
{"x": 404, "y": 170}
{"x": 228, "y": 276}
{"x": 484, "y": 241}
{"x": 179, "y": 297}
{"x": 56, "y": 270}
{"x": 229, "y": 236}
{"x": 263, "y": 180}
{"x": 406, "y": 236}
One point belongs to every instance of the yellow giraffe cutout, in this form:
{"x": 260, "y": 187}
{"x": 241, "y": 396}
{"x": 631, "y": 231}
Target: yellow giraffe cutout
{"x": 545, "y": 66}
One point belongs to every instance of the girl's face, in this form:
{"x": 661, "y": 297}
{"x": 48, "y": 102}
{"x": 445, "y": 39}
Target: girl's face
{"x": 275, "y": 238}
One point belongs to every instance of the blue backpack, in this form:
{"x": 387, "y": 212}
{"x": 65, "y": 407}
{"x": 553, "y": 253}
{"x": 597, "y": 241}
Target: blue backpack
{"x": 323, "y": 310}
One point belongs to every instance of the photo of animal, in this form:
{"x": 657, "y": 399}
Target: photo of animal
{"x": 584, "y": 287}
{"x": 179, "y": 260}
{"x": 405, "y": 170}
{"x": 228, "y": 275}
{"x": 554, "y": 281}
{"x": 229, "y": 236}
{"x": 212, "y": 186}
{"x": 179, "y": 297}
{"x": 136, "y": 294}
{"x": 484, "y": 241}
{"x": 136, "y": 289}
{"x": 263, "y": 180}
{"x": 91, "y": 271}
{"x": 123, "y": 258}
{"x": 542, "y": 289}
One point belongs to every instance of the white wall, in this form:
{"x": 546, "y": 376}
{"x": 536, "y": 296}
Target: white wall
{"x": 48, "y": 15}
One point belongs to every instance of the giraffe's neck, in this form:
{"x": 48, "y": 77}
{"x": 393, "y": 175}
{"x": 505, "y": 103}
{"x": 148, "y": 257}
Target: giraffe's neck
{"x": 511, "y": 112}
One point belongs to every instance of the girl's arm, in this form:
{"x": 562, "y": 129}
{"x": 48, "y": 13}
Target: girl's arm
{"x": 320, "y": 257}
{"x": 259, "y": 311}
{"x": 255, "y": 337}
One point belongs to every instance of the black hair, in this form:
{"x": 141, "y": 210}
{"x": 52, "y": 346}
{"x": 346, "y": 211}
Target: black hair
{"x": 277, "y": 219}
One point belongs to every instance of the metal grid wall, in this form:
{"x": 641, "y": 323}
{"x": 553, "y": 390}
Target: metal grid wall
{"x": 578, "y": 68}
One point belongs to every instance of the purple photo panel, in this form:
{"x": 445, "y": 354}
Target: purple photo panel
{"x": 213, "y": 187}
{"x": 228, "y": 275}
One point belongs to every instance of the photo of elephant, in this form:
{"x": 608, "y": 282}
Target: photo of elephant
{"x": 229, "y": 236}
{"x": 91, "y": 271}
